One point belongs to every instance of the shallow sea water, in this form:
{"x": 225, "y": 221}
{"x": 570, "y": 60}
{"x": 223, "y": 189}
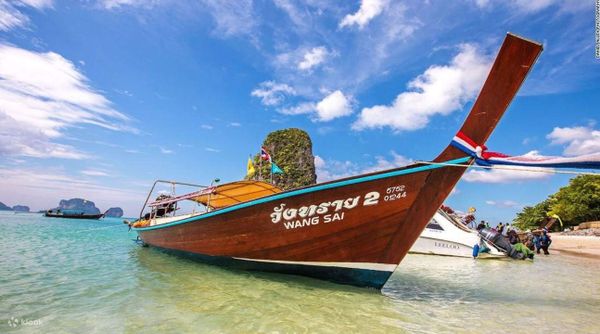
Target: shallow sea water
{"x": 60, "y": 276}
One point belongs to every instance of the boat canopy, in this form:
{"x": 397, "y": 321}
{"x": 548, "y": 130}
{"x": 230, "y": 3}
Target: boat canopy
{"x": 235, "y": 192}
{"x": 217, "y": 197}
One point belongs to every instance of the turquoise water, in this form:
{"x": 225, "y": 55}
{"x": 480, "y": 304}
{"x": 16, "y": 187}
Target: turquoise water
{"x": 76, "y": 276}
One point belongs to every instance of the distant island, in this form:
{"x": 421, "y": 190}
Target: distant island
{"x": 77, "y": 204}
{"x": 88, "y": 207}
{"x": 20, "y": 208}
{"x": 114, "y": 212}
{"x": 17, "y": 208}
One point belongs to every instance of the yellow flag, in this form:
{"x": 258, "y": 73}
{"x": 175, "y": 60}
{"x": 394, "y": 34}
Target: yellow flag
{"x": 250, "y": 169}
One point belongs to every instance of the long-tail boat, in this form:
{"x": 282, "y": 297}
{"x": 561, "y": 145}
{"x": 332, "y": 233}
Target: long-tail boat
{"x": 354, "y": 230}
{"x": 72, "y": 214}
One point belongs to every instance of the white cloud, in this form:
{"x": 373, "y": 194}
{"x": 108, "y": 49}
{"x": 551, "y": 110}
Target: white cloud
{"x": 206, "y": 127}
{"x": 482, "y": 3}
{"x": 114, "y": 4}
{"x": 11, "y": 16}
{"x": 503, "y": 204}
{"x": 532, "y": 6}
{"x": 578, "y": 140}
{"x": 38, "y": 4}
{"x": 441, "y": 89}
{"x": 299, "y": 109}
{"x": 235, "y": 124}
{"x": 516, "y": 174}
{"x": 334, "y": 169}
{"x": 164, "y": 150}
{"x": 368, "y": 10}
{"x": 313, "y": 58}
{"x": 41, "y": 95}
{"x": 210, "y": 149}
{"x": 382, "y": 163}
{"x": 272, "y": 93}
{"x": 232, "y": 17}
{"x": 333, "y": 106}
{"x": 93, "y": 172}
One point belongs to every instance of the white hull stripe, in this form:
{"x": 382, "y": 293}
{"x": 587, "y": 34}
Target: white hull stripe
{"x": 350, "y": 265}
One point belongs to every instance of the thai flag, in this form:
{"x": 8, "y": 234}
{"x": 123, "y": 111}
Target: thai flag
{"x": 485, "y": 158}
{"x": 264, "y": 154}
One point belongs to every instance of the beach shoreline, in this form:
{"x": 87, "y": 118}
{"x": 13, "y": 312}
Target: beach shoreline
{"x": 580, "y": 246}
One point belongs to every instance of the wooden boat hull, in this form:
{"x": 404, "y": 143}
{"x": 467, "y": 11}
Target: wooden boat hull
{"x": 352, "y": 231}
{"x": 346, "y": 226}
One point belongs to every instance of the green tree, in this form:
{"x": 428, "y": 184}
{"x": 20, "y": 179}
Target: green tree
{"x": 574, "y": 204}
{"x": 579, "y": 201}
{"x": 531, "y": 216}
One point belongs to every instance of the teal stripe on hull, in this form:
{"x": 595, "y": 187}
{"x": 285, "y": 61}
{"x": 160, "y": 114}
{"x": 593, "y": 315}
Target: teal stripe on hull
{"x": 308, "y": 190}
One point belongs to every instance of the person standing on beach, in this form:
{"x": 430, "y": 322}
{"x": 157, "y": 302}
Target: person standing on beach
{"x": 500, "y": 228}
{"x": 536, "y": 242}
{"x": 545, "y": 242}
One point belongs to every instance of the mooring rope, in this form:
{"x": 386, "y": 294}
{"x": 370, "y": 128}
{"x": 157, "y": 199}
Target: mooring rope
{"x": 536, "y": 170}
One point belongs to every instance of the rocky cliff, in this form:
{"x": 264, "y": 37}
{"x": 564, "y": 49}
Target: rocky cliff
{"x": 4, "y": 207}
{"x": 291, "y": 150}
{"x": 20, "y": 208}
{"x": 79, "y": 204}
{"x": 114, "y": 212}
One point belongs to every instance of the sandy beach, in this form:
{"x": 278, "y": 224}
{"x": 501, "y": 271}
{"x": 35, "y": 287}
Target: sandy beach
{"x": 585, "y": 246}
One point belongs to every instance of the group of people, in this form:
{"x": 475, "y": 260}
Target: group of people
{"x": 535, "y": 241}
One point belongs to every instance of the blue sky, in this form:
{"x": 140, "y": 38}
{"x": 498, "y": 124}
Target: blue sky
{"x": 99, "y": 98}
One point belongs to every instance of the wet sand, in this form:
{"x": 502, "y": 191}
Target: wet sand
{"x": 583, "y": 246}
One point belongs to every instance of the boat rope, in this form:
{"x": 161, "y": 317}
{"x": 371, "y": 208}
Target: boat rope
{"x": 521, "y": 169}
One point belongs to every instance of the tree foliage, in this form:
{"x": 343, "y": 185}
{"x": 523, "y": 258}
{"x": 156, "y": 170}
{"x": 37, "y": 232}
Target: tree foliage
{"x": 574, "y": 204}
{"x": 531, "y": 216}
{"x": 579, "y": 201}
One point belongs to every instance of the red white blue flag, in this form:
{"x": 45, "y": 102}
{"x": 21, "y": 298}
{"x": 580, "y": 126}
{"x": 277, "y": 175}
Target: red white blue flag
{"x": 485, "y": 158}
{"x": 264, "y": 154}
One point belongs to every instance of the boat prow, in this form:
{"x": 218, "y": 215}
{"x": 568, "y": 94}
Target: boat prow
{"x": 354, "y": 230}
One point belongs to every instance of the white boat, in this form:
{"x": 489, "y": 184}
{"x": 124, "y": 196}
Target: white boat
{"x": 444, "y": 235}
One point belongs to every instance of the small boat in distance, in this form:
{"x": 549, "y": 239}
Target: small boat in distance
{"x": 72, "y": 214}
{"x": 444, "y": 235}
{"x": 354, "y": 230}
